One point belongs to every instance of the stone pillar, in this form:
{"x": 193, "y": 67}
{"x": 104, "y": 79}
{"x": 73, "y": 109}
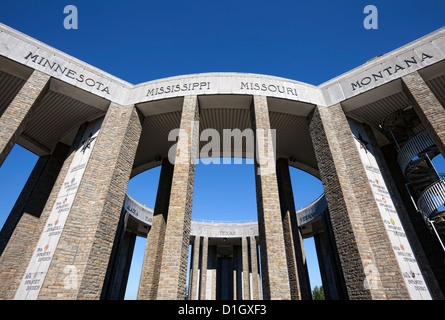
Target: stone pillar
{"x": 14, "y": 118}
{"x": 126, "y": 254}
{"x": 327, "y": 268}
{"x": 84, "y": 247}
{"x": 235, "y": 272}
{"x": 245, "y": 264}
{"x": 91, "y": 226}
{"x": 296, "y": 259}
{"x": 151, "y": 268}
{"x": 116, "y": 278}
{"x": 172, "y": 283}
{"x": 273, "y": 253}
{"x": 194, "y": 272}
{"x": 361, "y": 239}
{"x": 213, "y": 259}
{"x": 21, "y": 230}
{"x": 204, "y": 258}
{"x": 254, "y": 264}
{"x": 427, "y": 107}
{"x": 329, "y": 262}
{"x": 238, "y": 283}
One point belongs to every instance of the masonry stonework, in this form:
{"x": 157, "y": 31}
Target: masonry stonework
{"x": 273, "y": 253}
{"x": 148, "y": 285}
{"x": 194, "y": 270}
{"x": 245, "y": 268}
{"x": 88, "y": 237}
{"x": 204, "y": 264}
{"x": 316, "y": 131}
{"x": 254, "y": 268}
{"x": 172, "y": 282}
{"x": 14, "y": 119}
{"x": 359, "y": 232}
{"x": 296, "y": 260}
{"x": 427, "y": 107}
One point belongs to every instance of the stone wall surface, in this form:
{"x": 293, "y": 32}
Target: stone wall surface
{"x": 172, "y": 284}
{"x": 359, "y": 232}
{"x": 89, "y": 232}
{"x": 273, "y": 253}
{"x": 14, "y": 118}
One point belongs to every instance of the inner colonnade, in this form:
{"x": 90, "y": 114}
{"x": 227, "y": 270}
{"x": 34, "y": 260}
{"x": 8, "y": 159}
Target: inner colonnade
{"x": 229, "y": 266}
{"x": 368, "y": 135}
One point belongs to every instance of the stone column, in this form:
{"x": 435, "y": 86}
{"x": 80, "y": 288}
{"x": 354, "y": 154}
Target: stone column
{"x": 84, "y": 248}
{"x": 427, "y": 107}
{"x": 14, "y": 118}
{"x": 329, "y": 262}
{"x": 273, "y": 253}
{"x": 126, "y": 254}
{"x": 213, "y": 259}
{"x": 245, "y": 264}
{"x": 296, "y": 259}
{"x": 360, "y": 235}
{"x": 254, "y": 264}
{"x": 151, "y": 268}
{"x": 235, "y": 272}
{"x": 239, "y": 273}
{"x": 172, "y": 282}
{"x": 21, "y": 230}
{"x": 204, "y": 258}
{"x": 116, "y": 278}
{"x": 327, "y": 268}
{"x": 194, "y": 274}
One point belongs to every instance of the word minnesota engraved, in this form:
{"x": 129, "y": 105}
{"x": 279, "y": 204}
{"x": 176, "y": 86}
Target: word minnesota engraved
{"x": 67, "y": 72}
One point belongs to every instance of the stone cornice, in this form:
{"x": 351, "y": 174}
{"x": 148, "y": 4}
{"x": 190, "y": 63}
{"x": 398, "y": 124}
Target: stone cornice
{"x": 416, "y": 55}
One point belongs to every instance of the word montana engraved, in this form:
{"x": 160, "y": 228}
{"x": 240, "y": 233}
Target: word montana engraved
{"x": 390, "y": 71}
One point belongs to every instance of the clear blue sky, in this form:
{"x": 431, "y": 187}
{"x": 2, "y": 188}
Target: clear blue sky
{"x": 309, "y": 41}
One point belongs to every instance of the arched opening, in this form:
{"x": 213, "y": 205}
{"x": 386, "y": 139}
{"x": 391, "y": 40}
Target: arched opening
{"x": 225, "y": 193}
{"x": 307, "y": 188}
{"x": 222, "y": 193}
{"x": 143, "y": 187}
{"x": 14, "y": 173}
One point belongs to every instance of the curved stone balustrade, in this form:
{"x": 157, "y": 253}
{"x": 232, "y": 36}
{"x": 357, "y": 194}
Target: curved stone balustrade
{"x": 224, "y": 230}
{"x": 416, "y": 145}
{"x": 219, "y": 229}
{"x": 432, "y": 199}
{"x": 312, "y": 210}
{"x": 137, "y": 210}
{"x": 144, "y": 214}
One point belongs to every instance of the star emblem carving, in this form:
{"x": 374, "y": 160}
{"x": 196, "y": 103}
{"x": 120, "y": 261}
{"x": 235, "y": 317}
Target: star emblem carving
{"x": 87, "y": 143}
{"x": 363, "y": 142}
